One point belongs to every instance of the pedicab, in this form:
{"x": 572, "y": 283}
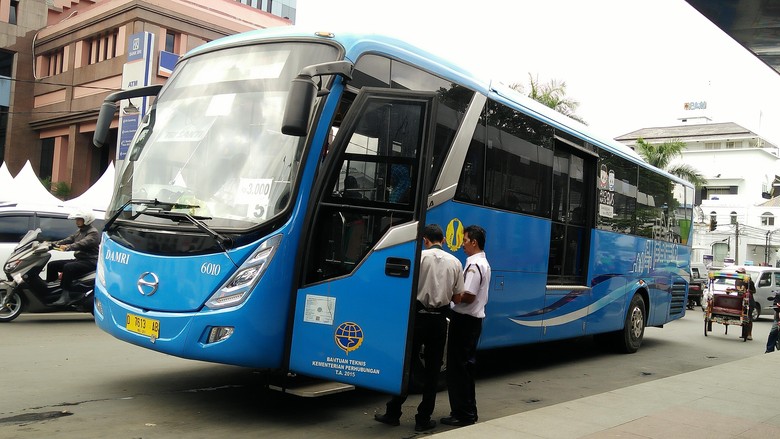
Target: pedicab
{"x": 728, "y": 301}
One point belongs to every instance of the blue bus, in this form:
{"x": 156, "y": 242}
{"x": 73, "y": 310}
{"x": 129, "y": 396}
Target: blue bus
{"x": 270, "y": 205}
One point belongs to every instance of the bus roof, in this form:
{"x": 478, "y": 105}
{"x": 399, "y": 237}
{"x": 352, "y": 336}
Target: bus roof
{"x": 356, "y": 44}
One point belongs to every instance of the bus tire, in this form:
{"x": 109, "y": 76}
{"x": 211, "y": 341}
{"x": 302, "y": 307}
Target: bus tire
{"x": 634, "y": 328}
{"x": 628, "y": 339}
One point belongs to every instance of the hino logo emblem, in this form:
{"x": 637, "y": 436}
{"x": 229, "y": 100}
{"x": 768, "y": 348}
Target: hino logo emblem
{"x": 147, "y": 283}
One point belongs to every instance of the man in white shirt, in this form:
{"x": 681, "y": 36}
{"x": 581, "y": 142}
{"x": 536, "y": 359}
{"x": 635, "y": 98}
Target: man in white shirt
{"x": 468, "y": 311}
{"x": 440, "y": 279}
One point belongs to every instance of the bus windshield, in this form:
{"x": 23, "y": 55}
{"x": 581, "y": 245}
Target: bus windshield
{"x": 213, "y": 141}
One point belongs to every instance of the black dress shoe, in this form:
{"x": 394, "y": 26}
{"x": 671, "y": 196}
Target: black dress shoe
{"x": 423, "y": 426}
{"x": 387, "y": 420}
{"x": 455, "y": 422}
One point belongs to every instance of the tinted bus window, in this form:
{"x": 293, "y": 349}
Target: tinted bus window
{"x": 652, "y": 212}
{"x": 377, "y": 71}
{"x": 616, "y": 185}
{"x": 519, "y": 161}
{"x": 472, "y": 175}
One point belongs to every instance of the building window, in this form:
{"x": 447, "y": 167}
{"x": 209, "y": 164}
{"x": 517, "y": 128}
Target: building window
{"x": 731, "y": 145}
{"x": 713, "y": 217}
{"x": 712, "y": 193}
{"x": 733, "y": 217}
{"x": 102, "y": 46}
{"x": 711, "y": 145}
{"x": 54, "y": 62}
{"x": 281, "y": 8}
{"x": 13, "y": 14}
{"x": 767, "y": 219}
{"x": 172, "y": 41}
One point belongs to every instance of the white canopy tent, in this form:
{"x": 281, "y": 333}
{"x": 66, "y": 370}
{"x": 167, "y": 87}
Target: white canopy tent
{"x": 99, "y": 194}
{"x": 26, "y": 187}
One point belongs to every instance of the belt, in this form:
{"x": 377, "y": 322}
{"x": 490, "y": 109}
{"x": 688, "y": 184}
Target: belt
{"x": 422, "y": 309}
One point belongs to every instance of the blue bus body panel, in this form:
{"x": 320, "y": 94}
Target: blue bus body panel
{"x": 259, "y": 323}
{"x": 521, "y": 310}
{"x": 185, "y": 282}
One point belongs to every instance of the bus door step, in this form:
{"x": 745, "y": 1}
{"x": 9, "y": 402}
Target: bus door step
{"x": 312, "y": 389}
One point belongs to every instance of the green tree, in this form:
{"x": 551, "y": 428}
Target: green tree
{"x": 662, "y": 155}
{"x": 551, "y": 94}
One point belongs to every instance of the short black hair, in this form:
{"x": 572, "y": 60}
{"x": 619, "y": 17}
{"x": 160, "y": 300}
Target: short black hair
{"x": 433, "y": 233}
{"x": 477, "y": 233}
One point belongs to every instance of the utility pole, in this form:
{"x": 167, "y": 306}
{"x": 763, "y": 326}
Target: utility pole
{"x": 766, "y": 247}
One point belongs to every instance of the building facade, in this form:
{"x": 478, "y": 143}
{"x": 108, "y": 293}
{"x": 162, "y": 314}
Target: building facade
{"x": 737, "y": 214}
{"x": 71, "y": 54}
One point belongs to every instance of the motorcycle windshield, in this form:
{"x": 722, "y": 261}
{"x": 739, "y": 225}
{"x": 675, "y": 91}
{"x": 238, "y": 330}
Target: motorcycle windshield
{"x": 213, "y": 144}
{"x": 28, "y": 237}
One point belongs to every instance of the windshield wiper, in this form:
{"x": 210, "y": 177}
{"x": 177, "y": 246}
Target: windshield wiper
{"x": 223, "y": 241}
{"x": 162, "y": 209}
{"x": 159, "y": 205}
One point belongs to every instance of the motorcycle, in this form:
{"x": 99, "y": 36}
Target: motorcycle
{"x": 25, "y": 290}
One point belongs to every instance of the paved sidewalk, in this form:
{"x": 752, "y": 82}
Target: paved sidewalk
{"x": 740, "y": 399}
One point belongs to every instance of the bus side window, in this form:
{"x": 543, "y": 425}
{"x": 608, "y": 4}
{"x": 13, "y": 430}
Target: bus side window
{"x": 472, "y": 176}
{"x": 344, "y": 104}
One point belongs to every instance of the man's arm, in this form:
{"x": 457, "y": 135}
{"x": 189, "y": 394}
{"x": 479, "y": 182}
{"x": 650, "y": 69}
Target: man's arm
{"x": 464, "y": 297}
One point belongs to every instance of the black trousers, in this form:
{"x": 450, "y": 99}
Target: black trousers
{"x": 70, "y": 269}
{"x": 461, "y": 365}
{"x": 430, "y": 330}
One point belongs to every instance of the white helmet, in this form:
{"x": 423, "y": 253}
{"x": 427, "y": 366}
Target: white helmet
{"x": 88, "y": 217}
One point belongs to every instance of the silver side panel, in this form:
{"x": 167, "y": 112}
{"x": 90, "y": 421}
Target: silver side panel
{"x": 398, "y": 235}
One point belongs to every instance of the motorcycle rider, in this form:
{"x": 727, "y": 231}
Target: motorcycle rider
{"x": 84, "y": 243}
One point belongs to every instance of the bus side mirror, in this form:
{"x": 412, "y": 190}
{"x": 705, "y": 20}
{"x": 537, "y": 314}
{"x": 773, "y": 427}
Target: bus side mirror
{"x": 109, "y": 107}
{"x": 107, "y": 110}
{"x": 303, "y": 90}
{"x": 300, "y": 102}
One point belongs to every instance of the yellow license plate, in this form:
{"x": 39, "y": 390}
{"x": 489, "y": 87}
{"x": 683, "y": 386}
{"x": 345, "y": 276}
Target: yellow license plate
{"x": 142, "y": 325}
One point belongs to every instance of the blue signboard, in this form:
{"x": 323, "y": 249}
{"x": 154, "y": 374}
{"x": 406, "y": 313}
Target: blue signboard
{"x": 128, "y": 126}
{"x": 168, "y": 61}
{"x": 137, "y": 72}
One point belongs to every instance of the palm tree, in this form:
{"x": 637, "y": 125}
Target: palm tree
{"x": 551, "y": 94}
{"x": 662, "y": 155}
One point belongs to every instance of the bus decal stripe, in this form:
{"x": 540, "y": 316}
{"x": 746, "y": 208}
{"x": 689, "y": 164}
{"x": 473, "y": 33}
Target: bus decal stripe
{"x": 576, "y": 314}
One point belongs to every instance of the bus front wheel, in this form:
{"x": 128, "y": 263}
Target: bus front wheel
{"x": 630, "y": 337}
{"x": 634, "y": 328}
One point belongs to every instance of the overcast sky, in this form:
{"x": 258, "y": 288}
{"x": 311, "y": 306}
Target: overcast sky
{"x": 631, "y": 64}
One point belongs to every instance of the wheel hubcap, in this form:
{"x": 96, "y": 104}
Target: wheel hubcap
{"x": 637, "y": 322}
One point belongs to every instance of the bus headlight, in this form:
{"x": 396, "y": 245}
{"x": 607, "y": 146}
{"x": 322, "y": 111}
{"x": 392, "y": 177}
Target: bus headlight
{"x": 101, "y": 272}
{"x": 237, "y": 288}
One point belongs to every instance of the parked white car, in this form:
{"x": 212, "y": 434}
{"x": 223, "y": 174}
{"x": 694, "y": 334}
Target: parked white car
{"x": 16, "y": 219}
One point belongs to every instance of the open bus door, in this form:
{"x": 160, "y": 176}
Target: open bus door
{"x": 352, "y": 314}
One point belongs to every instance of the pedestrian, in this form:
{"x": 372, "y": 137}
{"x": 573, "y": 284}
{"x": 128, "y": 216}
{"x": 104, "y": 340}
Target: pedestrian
{"x": 440, "y": 278}
{"x": 84, "y": 242}
{"x": 774, "y": 332}
{"x": 751, "y": 290}
{"x": 468, "y": 311}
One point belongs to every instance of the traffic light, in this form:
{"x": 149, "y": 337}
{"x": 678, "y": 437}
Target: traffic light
{"x": 713, "y": 224}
